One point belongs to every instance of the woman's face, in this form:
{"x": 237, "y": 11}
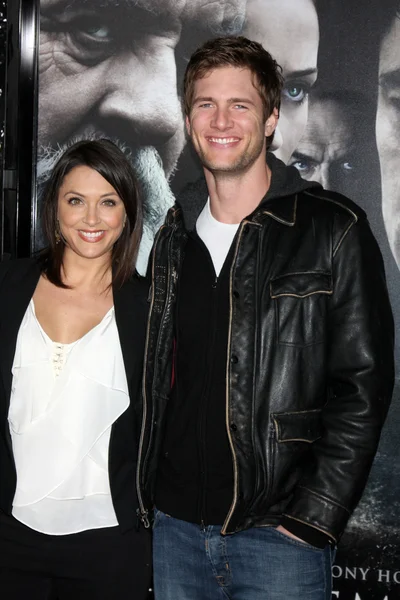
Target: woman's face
{"x": 289, "y": 30}
{"x": 91, "y": 215}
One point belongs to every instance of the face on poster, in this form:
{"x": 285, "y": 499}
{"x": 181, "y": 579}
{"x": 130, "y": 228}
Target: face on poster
{"x": 289, "y": 30}
{"x": 330, "y": 150}
{"x": 388, "y": 131}
{"x": 111, "y": 68}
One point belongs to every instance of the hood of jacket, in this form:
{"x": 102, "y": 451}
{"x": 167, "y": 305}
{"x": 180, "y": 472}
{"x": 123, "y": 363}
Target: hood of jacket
{"x": 285, "y": 181}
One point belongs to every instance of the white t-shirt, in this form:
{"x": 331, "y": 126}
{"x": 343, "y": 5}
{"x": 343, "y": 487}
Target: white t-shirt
{"x": 217, "y": 236}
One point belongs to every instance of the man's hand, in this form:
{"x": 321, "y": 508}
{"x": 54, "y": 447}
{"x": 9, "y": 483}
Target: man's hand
{"x": 286, "y": 532}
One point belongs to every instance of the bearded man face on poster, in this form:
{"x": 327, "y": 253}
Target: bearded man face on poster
{"x": 110, "y": 68}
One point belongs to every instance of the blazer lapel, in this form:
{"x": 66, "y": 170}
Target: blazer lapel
{"x": 15, "y": 296}
{"x": 131, "y": 308}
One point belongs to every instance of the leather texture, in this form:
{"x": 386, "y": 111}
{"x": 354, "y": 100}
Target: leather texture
{"x": 309, "y": 364}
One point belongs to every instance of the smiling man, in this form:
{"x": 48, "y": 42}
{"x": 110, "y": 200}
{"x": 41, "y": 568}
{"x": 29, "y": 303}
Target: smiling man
{"x": 110, "y": 68}
{"x": 269, "y": 364}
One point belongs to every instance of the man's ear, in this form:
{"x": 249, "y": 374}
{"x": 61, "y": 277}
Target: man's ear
{"x": 272, "y": 122}
{"x": 187, "y": 123}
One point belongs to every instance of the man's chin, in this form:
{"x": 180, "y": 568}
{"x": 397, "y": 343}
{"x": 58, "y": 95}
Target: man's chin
{"x": 228, "y": 169}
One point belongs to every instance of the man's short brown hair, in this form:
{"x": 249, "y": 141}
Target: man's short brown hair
{"x": 236, "y": 51}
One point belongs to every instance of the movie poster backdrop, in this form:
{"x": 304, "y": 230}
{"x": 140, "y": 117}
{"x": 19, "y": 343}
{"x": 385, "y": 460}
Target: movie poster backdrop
{"x": 114, "y": 68}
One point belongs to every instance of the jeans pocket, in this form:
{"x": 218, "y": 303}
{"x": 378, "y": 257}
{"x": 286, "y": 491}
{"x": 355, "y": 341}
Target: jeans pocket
{"x": 156, "y": 517}
{"x": 297, "y": 542}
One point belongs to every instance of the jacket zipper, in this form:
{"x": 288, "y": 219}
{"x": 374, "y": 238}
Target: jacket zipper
{"x": 142, "y": 511}
{"x": 235, "y": 468}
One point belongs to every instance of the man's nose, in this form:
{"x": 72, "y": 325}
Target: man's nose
{"x": 140, "y": 101}
{"x": 221, "y": 118}
{"x": 324, "y": 176}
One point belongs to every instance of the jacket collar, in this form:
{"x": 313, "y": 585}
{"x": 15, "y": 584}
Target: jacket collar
{"x": 280, "y": 202}
{"x": 283, "y": 210}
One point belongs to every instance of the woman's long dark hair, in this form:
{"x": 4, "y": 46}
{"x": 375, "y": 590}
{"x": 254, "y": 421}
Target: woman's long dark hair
{"x": 110, "y": 162}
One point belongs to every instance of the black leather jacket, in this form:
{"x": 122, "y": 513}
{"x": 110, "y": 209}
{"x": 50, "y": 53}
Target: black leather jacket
{"x": 310, "y": 355}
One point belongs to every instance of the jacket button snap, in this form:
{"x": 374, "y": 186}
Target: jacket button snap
{"x": 236, "y": 294}
{"x": 233, "y": 426}
{"x": 234, "y": 359}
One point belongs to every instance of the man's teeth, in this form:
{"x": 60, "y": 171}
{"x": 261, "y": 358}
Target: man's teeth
{"x": 92, "y": 234}
{"x": 223, "y": 140}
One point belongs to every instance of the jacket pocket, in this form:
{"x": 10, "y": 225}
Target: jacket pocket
{"x": 300, "y": 426}
{"x": 300, "y": 306}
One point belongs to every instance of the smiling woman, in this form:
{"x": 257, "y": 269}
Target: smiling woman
{"x": 92, "y": 189}
{"x": 70, "y": 396}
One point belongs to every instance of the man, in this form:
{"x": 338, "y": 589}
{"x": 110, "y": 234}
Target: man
{"x": 109, "y": 68}
{"x": 290, "y": 31}
{"x": 331, "y": 150}
{"x": 268, "y": 368}
{"x": 388, "y": 124}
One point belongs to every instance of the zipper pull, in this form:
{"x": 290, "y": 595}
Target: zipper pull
{"x": 143, "y": 516}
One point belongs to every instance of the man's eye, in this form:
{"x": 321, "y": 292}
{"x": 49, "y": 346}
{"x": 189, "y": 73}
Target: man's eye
{"x": 240, "y": 106}
{"x": 295, "y": 92}
{"x": 98, "y": 32}
{"x": 304, "y": 167}
{"x": 348, "y": 168}
{"x": 91, "y": 32}
{"x": 91, "y": 35}
{"x": 87, "y": 38}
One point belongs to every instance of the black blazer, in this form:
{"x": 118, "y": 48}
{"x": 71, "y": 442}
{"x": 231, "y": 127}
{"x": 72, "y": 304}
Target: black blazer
{"x": 18, "y": 280}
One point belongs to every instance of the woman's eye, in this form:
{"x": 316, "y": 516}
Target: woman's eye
{"x": 109, "y": 202}
{"x": 74, "y": 201}
{"x": 295, "y": 92}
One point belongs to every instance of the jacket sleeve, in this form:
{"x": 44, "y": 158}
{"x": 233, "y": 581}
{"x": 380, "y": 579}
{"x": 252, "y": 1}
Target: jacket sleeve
{"x": 360, "y": 383}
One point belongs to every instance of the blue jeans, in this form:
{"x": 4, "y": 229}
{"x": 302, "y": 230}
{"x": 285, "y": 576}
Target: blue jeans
{"x": 258, "y": 564}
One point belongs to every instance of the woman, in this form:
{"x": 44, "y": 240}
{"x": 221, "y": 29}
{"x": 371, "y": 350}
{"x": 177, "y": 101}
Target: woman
{"x": 72, "y": 326}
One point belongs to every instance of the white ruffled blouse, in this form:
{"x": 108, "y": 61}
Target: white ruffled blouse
{"x": 64, "y": 400}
